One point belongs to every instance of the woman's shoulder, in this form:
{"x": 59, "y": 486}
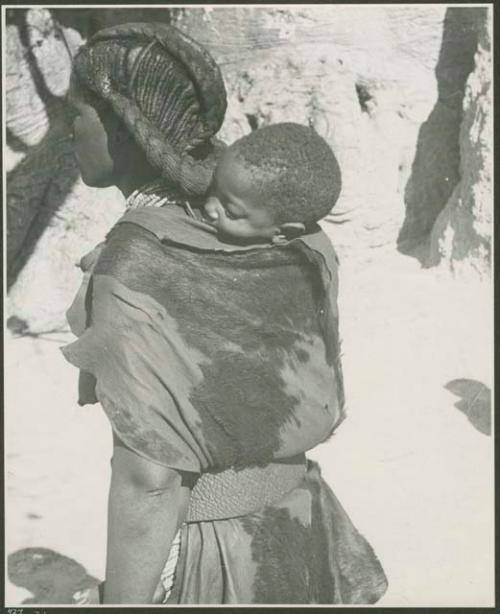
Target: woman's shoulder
{"x": 127, "y": 246}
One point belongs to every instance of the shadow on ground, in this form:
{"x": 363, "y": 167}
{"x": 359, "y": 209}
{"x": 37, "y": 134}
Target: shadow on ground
{"x": 475, "y": 402}
{"x": 50, "y": 577}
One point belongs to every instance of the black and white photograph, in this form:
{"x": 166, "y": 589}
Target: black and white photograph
{"x": 248, "y": 305}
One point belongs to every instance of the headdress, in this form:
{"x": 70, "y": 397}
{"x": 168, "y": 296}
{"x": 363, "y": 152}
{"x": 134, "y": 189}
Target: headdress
{"x": 167, "y": 90}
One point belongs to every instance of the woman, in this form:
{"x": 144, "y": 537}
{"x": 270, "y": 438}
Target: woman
{"x": 217, "y": 366}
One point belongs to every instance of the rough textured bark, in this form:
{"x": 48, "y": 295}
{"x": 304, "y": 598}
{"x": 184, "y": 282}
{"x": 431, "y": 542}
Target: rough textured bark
{"x": 39, "y": 163}
{"x": 396, "y": 90}
{"x": 461, "y": 236}
{"x": 362, "y": 76}
{"x": 52, "y": 218}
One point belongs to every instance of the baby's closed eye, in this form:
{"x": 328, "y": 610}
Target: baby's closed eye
{"x": 233, "y": 215}
{"x": 230, "y": 215}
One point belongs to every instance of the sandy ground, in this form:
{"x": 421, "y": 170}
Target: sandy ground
{"x": 412, "y": 464}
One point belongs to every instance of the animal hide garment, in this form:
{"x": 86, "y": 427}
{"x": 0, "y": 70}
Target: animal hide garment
{"x": 207, "y": 355}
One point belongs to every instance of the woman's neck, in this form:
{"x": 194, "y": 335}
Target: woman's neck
{"x": 135, "y": 176}
{"x": 127, "y": 185}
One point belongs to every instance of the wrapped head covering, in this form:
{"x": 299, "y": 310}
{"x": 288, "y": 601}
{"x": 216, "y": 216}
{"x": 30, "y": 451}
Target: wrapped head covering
{"x": 167, "y": 90}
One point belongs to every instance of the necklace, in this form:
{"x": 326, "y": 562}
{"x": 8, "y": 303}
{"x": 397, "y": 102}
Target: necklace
{"x": 156, "y": 194}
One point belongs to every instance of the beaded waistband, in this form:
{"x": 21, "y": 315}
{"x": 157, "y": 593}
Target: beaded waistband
{"x": 231, "y": 493}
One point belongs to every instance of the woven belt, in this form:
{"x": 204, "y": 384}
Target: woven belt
{"x": 232, "y": 493}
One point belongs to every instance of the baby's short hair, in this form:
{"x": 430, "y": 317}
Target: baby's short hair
{"x": 295, "y": 170}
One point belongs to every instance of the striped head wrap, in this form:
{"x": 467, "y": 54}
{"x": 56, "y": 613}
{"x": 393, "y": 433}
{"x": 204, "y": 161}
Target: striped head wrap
{"x": 167, "y": 90}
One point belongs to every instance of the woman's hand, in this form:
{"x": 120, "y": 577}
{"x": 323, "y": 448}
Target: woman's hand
{"x": 147, "y": 505}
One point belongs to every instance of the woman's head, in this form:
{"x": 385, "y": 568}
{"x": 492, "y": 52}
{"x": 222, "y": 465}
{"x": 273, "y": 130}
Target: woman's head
{"x": 153, "y": 83}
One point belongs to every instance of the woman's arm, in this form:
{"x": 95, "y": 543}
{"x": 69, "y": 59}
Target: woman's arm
{"x": 147, "y": 504}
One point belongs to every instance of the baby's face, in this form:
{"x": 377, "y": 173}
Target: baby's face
{"x": 233, "y": 207}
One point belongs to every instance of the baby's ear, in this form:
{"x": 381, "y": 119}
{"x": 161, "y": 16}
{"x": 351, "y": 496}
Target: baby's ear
{"x": 288, "y": 231}
{"x": 292, "y": 229}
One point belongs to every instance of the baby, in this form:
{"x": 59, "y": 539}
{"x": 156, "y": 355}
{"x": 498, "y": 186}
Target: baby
{"x": 269, "y": 186}
{"x": 273, "y": 185}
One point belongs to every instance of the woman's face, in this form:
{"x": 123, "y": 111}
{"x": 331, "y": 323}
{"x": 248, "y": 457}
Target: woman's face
{"x": 92, "y": 130}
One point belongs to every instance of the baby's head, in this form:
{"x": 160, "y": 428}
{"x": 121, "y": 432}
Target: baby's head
{"x": 273, "y": 183}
